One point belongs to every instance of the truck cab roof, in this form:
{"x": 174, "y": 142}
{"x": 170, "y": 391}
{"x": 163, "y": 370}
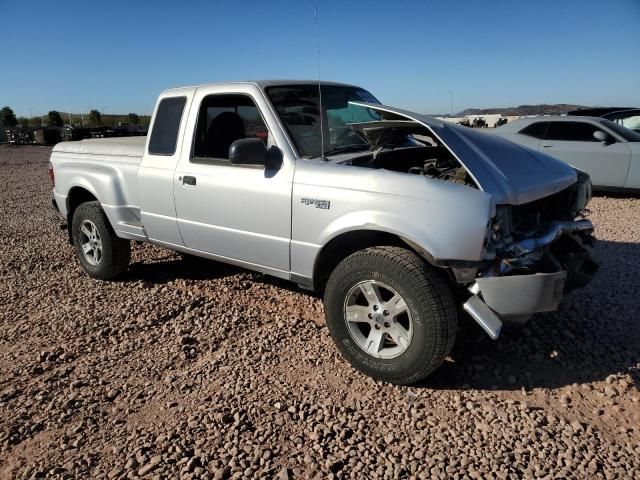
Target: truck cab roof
{"x": 260, "y": 83}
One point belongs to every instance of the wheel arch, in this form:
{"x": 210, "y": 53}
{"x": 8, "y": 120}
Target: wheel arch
{"x": 347, "y": 243}
{"x": 77, "y": 196}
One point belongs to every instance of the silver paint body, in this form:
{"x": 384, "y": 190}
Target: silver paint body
{"x": 614, "y": 165}
{"x": 263, "y": 220}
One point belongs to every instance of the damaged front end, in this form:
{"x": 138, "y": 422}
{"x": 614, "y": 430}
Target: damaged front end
{"x": 535, "y": 253}
{"x": 538, "y": 244}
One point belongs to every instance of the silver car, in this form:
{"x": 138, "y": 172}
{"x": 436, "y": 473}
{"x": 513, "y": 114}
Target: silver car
{"x": 607, "y": 151}
{"x": 401, "y": 222}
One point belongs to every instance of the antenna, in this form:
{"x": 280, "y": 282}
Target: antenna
{"x": 319, "y": 87}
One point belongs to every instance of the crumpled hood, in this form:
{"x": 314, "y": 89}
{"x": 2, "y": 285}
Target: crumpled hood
{"x": 511, "y": 173}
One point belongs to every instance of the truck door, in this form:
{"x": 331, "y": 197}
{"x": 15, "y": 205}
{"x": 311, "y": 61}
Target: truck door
{"x": 238, "y": 213}
{"x": 155, "y": 174}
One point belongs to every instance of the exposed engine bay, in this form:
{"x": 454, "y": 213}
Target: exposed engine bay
{"x": 406, "y": 146}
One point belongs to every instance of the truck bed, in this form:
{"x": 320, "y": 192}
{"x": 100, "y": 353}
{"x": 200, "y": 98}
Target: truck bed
{"x": 116, "y": 147}
{"x": 108, "y": 169}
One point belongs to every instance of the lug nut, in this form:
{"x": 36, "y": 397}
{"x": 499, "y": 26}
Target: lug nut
{"x": 375, "y": 307}
{"x": 377, "y": 326}
{"x": 386, "y": 325}
{"x": 386, "y": 313}
{"x": 370, "y": 315}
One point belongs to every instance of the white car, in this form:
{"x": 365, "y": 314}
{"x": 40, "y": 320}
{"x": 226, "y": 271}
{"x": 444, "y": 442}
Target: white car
{"x": 608, "y": 152}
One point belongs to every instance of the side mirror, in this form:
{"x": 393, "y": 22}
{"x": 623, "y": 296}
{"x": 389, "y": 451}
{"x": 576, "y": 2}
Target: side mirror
{"x": 601, "y": 137}
{"x": 248, "y": 151}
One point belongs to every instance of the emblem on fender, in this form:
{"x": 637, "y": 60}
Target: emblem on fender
{"x": 323, "y": 204}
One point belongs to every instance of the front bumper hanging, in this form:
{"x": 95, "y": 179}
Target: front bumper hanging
{"x": 496, "y": 299}
{"x": 513, "y": 298}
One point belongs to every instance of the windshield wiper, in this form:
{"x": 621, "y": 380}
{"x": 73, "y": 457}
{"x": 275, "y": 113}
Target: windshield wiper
{"x": 347, "y": 148}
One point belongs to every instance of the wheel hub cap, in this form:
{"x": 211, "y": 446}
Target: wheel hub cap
{"x": 378, "y": 319}
{"x": 90, "y": 242}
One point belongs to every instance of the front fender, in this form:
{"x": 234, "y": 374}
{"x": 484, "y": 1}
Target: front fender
{"x": 445, "y": 220}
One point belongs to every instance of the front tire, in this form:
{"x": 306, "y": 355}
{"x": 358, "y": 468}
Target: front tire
{"x": 102, "y": 254}
{"x": 392, "y": 316}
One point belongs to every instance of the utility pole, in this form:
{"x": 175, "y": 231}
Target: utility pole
{"x": 69, "y": 115}
{"x": 450, "y": 104}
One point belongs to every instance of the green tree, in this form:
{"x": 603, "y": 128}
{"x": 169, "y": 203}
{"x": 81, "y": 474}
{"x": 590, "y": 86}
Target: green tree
{"x": 35, "y": 121}
{"x": 54, "y": 119}
{"x": 134, "y": 119}
{"x": 95, "y": 118}
{"x": 23, "y": 121}
{"x": 8, "y": 118}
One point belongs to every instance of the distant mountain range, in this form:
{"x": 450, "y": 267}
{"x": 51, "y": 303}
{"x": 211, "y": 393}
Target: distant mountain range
{"x": 522, "y": 110}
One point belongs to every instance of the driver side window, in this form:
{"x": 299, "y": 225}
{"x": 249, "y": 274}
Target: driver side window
{"x": 571, "y": 132}
{"x": 223, "y": 119}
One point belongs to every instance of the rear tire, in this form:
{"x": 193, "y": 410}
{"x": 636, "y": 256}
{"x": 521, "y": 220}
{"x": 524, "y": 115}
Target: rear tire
{"x": 391, "y": 315}
{"x": 102, "y": 254}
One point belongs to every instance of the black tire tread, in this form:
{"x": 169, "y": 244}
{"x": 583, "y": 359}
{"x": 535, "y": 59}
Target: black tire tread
{"x": 116, "y": 255}
{"x": 429, "y": 288}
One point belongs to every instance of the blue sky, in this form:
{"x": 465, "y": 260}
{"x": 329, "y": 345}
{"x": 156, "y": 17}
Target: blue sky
{"x": 117, "y": 55}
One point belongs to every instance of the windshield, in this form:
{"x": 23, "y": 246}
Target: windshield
{"x": 624, "y": 132}
{"x": 298, "y": 108}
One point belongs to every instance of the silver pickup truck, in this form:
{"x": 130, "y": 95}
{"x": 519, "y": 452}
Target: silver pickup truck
{"x": 402, "y": 222}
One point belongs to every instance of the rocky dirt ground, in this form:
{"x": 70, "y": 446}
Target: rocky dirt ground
{"x": 208, "y": 371}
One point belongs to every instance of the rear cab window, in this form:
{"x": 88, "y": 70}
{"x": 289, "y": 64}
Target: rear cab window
{"x": 164, "y": 135}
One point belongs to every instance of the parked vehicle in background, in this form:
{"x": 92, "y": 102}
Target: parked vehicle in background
{"x": 47, "y": 135}
{"x": 399, "y": 220}
{"x": 596, "y": 111}
{"x": 627, "y": 117}
{"x": 608, "y": 152}
{"x": 20, "y": 135}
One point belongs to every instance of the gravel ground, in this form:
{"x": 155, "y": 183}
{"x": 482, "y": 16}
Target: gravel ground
{"x": 208, "y": 371}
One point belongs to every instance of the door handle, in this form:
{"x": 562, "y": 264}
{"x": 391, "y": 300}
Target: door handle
{"x": 547, "y": 146}
{"x": 189, "y": 180}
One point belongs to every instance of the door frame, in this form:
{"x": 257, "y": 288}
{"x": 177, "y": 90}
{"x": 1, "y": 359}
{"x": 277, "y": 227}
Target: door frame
{"x": 277, "y": 138}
